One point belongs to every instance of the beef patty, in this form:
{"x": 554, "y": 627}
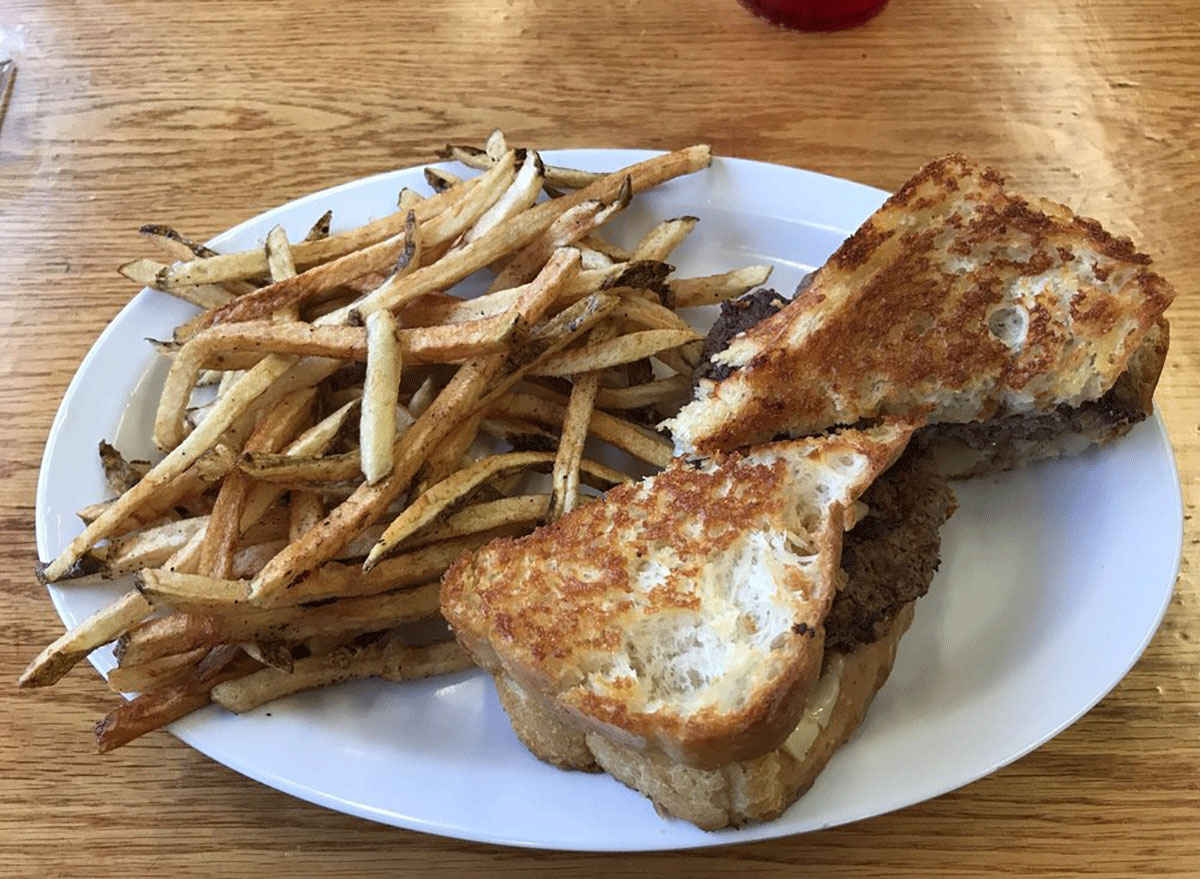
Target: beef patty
{"x": 890, "y": 556}
{"x": 737, "y": 316}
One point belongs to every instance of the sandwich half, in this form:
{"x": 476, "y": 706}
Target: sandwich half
{"x": 675, "y": 632}
{"x": 1012, "y": 327}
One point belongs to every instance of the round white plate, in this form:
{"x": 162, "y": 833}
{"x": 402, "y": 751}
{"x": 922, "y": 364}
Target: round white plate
{"x": 1053, "y": 581}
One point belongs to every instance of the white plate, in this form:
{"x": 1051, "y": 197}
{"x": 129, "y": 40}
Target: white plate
{"x": 1053, "y": 580}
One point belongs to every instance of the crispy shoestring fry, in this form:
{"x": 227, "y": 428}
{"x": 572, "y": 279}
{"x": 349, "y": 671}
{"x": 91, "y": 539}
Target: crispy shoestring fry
{"x": 385, "y": 657}
{"x": 145, "y": 272}
{"x": 564, "y": 493}
{"x": 97, "y": 630}
{"x": 277, "y": 426}
{"x": 153, "y": 674}
{"x": 660, "y": 241}
{"x": 381, "y": 392}
{"x": 692, "y": 292}
{"x": 473, "y": 157}
{"x": 320, "y": 229}
{"x": 616, "y": 431}
{"x": 175, "y": 633}
{"x": 647, "y": 394}
{"x": 615, "y": 352}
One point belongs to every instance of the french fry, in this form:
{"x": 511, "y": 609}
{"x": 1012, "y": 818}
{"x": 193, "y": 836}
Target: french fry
{"x": 97, "y": 630}
{"x": 593, "y": 259}
{"x": 192, "y": 592}
{"x": 451, "y": 310}
{"x": 381, "y": 390}
{"x": 547, "y": 339}
{"x": 208, "y": 469}
{"x": 280, "y": 264}
{"x": 615, "y": 352}
{"x": 305, "y": 510}
{"x": 179, "y": 246}
{"x": 515, "y": 512}
{"x": 337, "y": 580}
{"x": 154, "y": 674}
{"x": 179, "y": 632}
{"x": 346, "y": 662}
{"x": 681, "y": 360}
{"x": 568, "y": 228}
{"x": 151, "y": 547}
{"x": 434, "y": 501}
{"x": 647, "y": 394}
{"x": 440, "y": 180}
{"x": 564, "y": 492}
{"x": 615, "y": 431}
{"x": 408, "y": 199}
{"x": 449, "y": 454}
{"x": 275, "y": 654}
{"x": 693, "y": 292}
{"x": 598, "y": 243}
{"x": 186, "y": 559}
{"x": 119, "y": 474}
{"x": 403, "y": 663}
{"x": 496, "y": 145}
{"x": 385, "y": 657}
{"x": 248, "y": 560}
{"x": 520, "y": 195}
{"x": 523, "y": 436}
{"x": 508, "y": 513}
{"x": 278, "y": 425}
{"x": 300, "y": 470}
{"x": 421, "y": 398}
{"x": 226, "y": 345}
{"x": 473, "y": 157}
{"x": 638, "y": 309}
{"x": 320, "y": 228}
{"x": 660, "y": 241}
{"x": 146, "y": 271}
{"x": 183, "y": 248}
{"x": 157, "y": 708}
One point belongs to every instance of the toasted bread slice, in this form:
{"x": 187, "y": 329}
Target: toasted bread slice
{"x": 762, "y": 788}
{"x": 889, "y": 559}
{"x": 682, "y": 613}
{"x": 957, "y": 301}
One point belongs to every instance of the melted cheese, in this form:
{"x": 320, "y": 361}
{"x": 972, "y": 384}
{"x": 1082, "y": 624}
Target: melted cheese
{"x": 818, "y": 709}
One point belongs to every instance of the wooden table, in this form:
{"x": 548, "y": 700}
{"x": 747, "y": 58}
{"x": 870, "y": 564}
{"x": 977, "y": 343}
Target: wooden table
{"x": 205, "y": 113}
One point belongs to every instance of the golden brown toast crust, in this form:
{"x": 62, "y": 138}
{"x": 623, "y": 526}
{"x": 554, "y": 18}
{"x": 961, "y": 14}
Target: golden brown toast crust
{"x": 551, "y": 608}
{"x": 913, "y": 314}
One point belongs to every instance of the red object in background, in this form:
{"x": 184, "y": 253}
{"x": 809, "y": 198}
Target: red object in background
{"x": 815, "y": 15}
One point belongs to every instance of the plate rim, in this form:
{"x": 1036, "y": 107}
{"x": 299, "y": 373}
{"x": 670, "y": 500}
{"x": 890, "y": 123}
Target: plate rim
{"x": 753, "y": 833}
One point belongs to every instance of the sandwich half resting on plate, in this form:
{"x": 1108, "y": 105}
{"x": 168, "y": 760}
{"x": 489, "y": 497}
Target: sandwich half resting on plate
{"x": 1013, "y": 328}
{"x": 710, "y": 635}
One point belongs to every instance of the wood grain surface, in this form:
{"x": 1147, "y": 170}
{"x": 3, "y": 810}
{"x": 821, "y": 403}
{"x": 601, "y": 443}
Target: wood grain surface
{"x": 205, "y": 113}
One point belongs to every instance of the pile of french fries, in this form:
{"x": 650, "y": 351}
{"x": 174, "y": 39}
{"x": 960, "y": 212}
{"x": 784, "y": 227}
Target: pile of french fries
{"x": 322, "y": 416}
